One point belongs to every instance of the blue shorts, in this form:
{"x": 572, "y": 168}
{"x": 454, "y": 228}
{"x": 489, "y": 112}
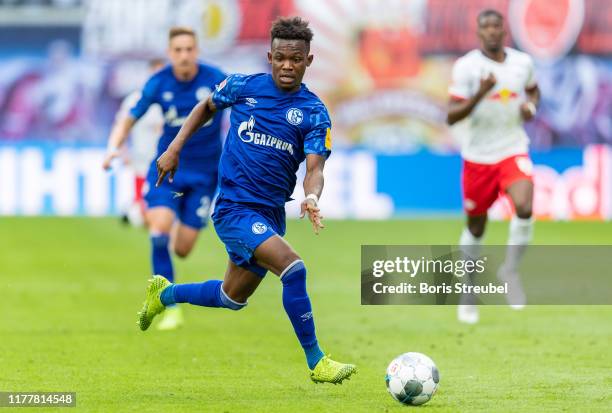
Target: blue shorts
{"x": 243, "y": 227}
{"x": 190, "y": 195}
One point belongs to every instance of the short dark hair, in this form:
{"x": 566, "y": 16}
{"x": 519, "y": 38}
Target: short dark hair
{"x": 179, "y": 31}
{"x": 291, "y": 28}
{"x": 488, "y": 13}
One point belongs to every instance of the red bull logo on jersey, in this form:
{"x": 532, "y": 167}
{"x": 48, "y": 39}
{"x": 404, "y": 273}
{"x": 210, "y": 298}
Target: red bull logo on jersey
{"x": 247, "y": 134}
{"x": 504, "y": 95}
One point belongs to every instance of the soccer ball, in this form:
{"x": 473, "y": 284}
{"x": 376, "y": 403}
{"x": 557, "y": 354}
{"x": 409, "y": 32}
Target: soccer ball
{"x": 412, "y": 378}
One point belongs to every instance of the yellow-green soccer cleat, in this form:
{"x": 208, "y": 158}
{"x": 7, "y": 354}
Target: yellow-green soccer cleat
{"x": 152, "y": 305}
{"x": 330, "y": 371}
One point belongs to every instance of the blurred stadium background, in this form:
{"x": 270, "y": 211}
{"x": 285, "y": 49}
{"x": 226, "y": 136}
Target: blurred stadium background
{"x": 71, "y": 286}
{"x": 382, "y": 67}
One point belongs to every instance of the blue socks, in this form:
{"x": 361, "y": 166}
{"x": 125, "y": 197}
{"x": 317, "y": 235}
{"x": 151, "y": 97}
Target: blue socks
{"x": 160, "y": 255}
{"x": 298, "y": 308}
{"x": 206, "y": 294}
{"x": 295, "y": 301}
{"x": 167, "y": 296}
{"x": 313, "y": 355}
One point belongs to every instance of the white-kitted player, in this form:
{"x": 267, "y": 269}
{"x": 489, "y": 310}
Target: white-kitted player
{"x": 494, "y": 88}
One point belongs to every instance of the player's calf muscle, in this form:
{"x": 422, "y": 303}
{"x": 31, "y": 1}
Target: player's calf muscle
{"x": 239, "y": 284}
{"x": 185, "y": 238}
{"x": 182, "y": 249}
{"x": 238, "y": 293}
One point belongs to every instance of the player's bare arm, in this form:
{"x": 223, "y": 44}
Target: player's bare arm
{"x": 530, "y": 106}
{"x": 459, "y": 109}
{"x": 313, "y": 187}
{"x": 119, "y": 134}
{"x": 167, "y": 163}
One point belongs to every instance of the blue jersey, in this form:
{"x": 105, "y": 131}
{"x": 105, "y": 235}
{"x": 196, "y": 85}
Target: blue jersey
{"x": 270, "y": 134}
{"x": 176, "y": 98}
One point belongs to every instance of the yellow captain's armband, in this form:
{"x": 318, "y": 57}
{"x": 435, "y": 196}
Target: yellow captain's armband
{"x": 328, "y": 140}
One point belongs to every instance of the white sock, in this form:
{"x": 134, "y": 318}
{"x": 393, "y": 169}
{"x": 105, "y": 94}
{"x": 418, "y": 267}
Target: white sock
{"x": 470, "y": 245}
{"x": 470, "y": 248}
{"x": 520, "y": 235}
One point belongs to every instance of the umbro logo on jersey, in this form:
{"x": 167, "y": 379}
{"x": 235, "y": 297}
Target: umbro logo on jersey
{"x": 251, "y": 102}
{"x": 167, "y": 96}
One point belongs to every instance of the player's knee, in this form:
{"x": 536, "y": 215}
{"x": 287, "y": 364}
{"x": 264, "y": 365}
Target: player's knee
{"x": 523, "y": 209}
{"x": 182, "y": 251}
{"x": 289, "y": 259}
{"x": 157, "y": 224}
{"x": 477, "y": 229}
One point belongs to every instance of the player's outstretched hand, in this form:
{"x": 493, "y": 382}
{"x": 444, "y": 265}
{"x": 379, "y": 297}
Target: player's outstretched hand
{"x": 528, "y": 111}
{"x": 108, "y": 159}
{"x": 487, "y": 83}
{"x": 167, "y": 164}
{"x": 314, "y": 214}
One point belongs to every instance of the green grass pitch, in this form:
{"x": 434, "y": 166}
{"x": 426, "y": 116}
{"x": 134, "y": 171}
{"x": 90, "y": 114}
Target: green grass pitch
{"x": 71, "y": 289}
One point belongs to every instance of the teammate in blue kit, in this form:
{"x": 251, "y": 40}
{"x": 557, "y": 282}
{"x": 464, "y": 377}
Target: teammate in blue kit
{"x": 276, "y": 123}
{"x": 180, "y": 207}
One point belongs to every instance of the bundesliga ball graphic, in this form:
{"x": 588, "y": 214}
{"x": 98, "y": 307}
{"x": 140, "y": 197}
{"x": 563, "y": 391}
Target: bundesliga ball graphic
{"x": 412, "y": 378}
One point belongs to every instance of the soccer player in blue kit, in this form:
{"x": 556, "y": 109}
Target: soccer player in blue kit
{"x": 276, "y": 123}
{"x": 180, "y": 207}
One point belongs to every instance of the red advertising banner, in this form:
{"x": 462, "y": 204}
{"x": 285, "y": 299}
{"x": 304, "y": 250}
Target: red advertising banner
{"x": 596, "y": 34}
{"x": 257, "y": 16}
{"x": 549, "y": 28}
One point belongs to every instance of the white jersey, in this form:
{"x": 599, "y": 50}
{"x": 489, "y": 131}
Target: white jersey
{"x": 494, "y": 130}
{"x": 144, "y": 135}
